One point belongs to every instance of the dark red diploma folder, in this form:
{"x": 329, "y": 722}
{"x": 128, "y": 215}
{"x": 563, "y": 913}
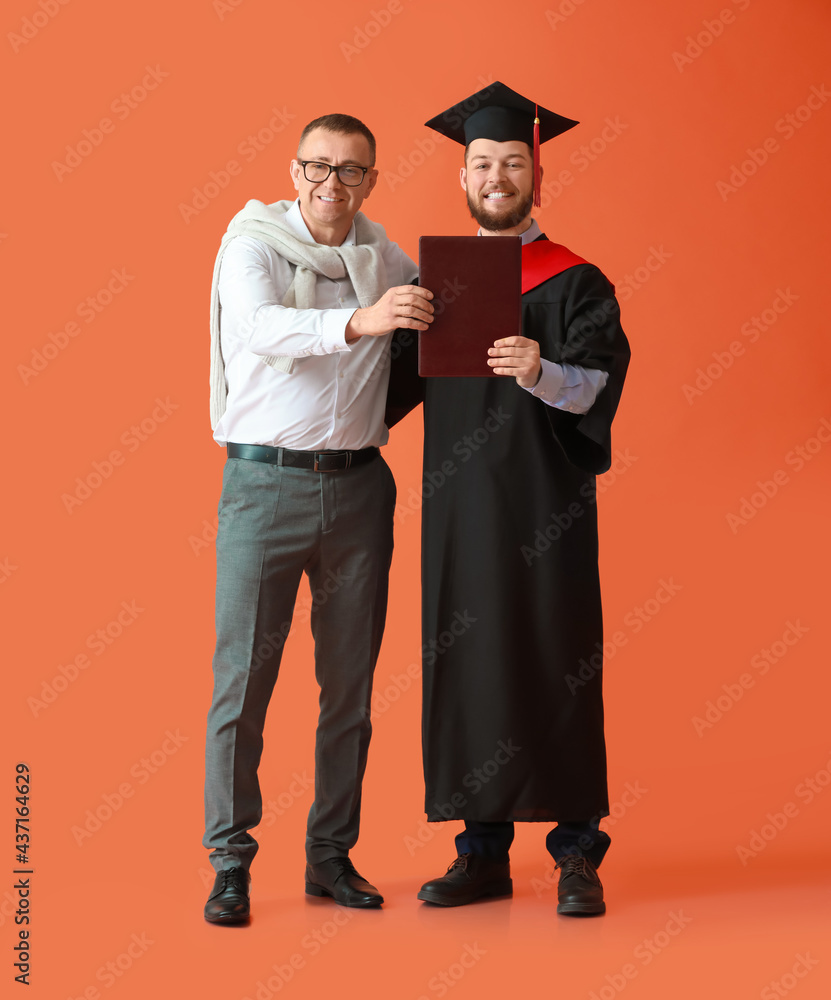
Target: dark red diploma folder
{"x": 476, "y": 282}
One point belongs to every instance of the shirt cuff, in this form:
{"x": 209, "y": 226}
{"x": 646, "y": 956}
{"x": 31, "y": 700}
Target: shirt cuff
{"x": 333, "y": 329}
{"x": 550, "y": 383}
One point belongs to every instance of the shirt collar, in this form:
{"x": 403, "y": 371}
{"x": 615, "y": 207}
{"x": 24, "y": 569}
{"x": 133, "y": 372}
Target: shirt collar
{"x": 530, "y": 234}
{"x": 294, "y": 217}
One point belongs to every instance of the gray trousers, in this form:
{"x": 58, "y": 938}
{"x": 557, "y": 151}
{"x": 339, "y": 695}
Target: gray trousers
{"x": 275, "y": 523}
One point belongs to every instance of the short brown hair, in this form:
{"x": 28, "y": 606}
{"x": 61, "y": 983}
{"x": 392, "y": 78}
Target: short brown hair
{"x": 342, "y": 125}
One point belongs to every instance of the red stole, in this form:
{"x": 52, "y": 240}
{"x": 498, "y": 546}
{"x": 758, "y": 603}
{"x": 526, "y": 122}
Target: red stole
{"x": 542, "y": 259}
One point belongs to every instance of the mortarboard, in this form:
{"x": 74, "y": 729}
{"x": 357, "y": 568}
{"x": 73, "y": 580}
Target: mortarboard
{"x": 503, "y": 115}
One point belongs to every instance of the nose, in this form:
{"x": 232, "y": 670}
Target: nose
{"x": 496, "y": 173}
{"x": 332, "y": 182}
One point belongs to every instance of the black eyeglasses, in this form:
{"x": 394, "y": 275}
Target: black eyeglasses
{"x": 348, "y": 173}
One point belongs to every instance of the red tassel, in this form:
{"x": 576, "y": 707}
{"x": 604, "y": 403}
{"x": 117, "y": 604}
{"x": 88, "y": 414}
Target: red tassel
{"x": 537, "y": 172}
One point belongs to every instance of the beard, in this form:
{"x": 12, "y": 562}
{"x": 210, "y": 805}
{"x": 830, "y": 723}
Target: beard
{"x": 496, "y": 222}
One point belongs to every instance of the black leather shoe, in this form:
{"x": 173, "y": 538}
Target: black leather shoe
{"x": 469, "y": 877}
{"x": 579, "y": 890}
{"x": 336, "y": 877}
{"x": 228, "y": 902}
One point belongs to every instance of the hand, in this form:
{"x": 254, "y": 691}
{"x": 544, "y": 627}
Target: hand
{"x": 517, "y": 356}
{"x": 405, "y": 306}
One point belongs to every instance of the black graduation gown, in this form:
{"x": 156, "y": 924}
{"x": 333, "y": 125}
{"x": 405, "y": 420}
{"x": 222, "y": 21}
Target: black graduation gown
{"x": 512, "y": 729}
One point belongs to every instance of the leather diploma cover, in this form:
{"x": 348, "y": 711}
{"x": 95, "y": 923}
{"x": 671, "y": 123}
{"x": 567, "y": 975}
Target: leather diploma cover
{"x": 476, "y": 282}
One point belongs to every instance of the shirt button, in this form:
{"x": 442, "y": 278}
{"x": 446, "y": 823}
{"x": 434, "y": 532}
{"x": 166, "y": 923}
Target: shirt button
{"x": 341, "y": 375}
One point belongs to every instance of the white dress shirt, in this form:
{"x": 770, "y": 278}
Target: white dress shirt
{"x": 336, "y": 395}
{"x": 567, "y": 387}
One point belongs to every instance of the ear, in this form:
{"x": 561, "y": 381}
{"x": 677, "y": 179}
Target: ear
{"x": 296, "y": 171}
{"x": 372, "y": 180}
{"x": 463, "y": 178}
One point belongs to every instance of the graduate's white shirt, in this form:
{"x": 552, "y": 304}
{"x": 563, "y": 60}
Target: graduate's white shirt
{"x": 336, "y": 395}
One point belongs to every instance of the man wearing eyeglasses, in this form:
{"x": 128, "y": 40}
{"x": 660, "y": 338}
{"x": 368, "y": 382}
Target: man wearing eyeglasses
{"x": 305, "y": 297}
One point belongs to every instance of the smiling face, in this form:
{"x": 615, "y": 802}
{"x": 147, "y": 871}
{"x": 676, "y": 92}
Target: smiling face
{"x": 498, "y": 178}
{"x": 329, "y": 207}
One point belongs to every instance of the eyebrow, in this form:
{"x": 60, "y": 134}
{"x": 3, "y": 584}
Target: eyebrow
{"x": 325, "y": 159}
{"x": 513, "y": 156}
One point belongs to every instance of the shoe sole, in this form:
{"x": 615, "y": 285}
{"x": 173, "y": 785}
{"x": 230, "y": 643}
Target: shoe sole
{"x": 229, "y": 919}
{"x": 318, "y": 890}
{"x": 581, "y": 909}
{"x": 504, "y": 887}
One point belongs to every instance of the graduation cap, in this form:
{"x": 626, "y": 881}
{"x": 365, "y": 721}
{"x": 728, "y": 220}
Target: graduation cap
{"x": 503, "y": 115}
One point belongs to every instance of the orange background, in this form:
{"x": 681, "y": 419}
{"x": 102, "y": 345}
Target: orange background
{"x": 693, "y": 262}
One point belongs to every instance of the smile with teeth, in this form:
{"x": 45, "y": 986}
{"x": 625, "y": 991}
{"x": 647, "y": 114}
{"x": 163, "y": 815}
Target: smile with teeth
{"x": 496, "y": 195}
{"x": 324, "y": 198}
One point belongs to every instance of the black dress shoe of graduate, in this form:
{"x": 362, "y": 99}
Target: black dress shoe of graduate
{"x": 470, "y": 877}
{"x": 228, "y": 902}
{"x": 336, "y": 877}
{"x": 579, "y": 890}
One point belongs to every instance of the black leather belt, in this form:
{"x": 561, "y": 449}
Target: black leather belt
{"x": 319, "y": 461}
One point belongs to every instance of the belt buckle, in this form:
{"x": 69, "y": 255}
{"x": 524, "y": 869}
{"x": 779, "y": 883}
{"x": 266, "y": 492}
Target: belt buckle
{"x": 347, "y": 454}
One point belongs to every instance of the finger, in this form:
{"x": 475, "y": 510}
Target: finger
{"x": 513, "y": 342}
{"x": 515, "y": 352}
{"x": 413, "y": 300}
{"x": 415, "y": 290}
{"x": 416, "y": 312}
